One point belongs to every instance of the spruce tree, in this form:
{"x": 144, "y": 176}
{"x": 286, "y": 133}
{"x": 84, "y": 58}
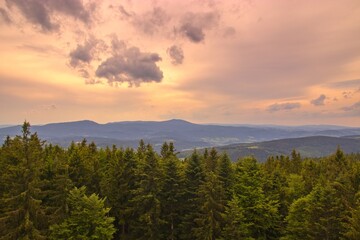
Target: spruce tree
{"x": 319, "y": 215}
{"x": 55, "y": 183}
{"x": 22, "y": 212}
{"x": 210, "y": 218}
{"x": 260, "y": 212}
{"x": 171, "y": 197}
{"x": 146, "y": 201}
{"x": 226, "y": 175}
{"x": 236, "y": 227}
{"x": 353, "y": 223}
{"x": 194, "y": 178}
{"x": 88, "y": 218}
{"x": 211, "y": 160}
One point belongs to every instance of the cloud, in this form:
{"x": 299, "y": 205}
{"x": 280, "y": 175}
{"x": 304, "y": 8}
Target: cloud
{"x": 4, "y": 16}
{"x": 42, "y": 12}
{"x": 43, "y": 49}
{"x": 73, "y": 8}
{"x": 35, "y": 12}
{"x": 83, "y": 54}
{"x": 229, "y": 32}
{"x": 283, "y": 106}
{"x": 347, "y": 94}
{"x": 320, "y": 101}
{"x": 354, "y": 109}
{"x": 176, "y": 54}
{"x": 151, "y": 22}
{"x": 42, "y": 108}
{"x": 193, "y": 25}
{"x": 117, "y": 46}
{"x": 124, "y": 14}
{"x": 345, "y": 84}
{"x": 132, "y": 66}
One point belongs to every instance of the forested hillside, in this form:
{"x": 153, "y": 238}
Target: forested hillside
{"x": 85, "y": 192}
{"x": 315, "y": 146}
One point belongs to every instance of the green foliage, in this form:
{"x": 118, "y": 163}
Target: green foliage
{"x": 211, "y": 160}
{"x": 316, "y": 216}
{"x": 87, "y": 218}
{"x": 139, "y": 194}
{"x": 353, "y": 225}
{"x": 260, "y": 211}
{"x": 55, "y": 183}
{"x": 236, "y": 226}
{"x": 209, "y": 220}
{"x": 171, "y": 196}
{"x": 22, "y": 212}
{"x": 146, "y": 201}
{"x": 194, "y": 178}
{"x": 226, "y": 175}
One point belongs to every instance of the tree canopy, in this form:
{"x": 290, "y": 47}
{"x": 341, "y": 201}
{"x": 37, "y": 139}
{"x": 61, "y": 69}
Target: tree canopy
{"x": 86, "y": 192}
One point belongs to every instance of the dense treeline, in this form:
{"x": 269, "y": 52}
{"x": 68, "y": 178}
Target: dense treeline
{"x": 83, "y": 192}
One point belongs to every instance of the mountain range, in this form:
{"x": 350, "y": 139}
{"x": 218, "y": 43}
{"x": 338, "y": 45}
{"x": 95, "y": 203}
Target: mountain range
{"x": 185, "y": 135}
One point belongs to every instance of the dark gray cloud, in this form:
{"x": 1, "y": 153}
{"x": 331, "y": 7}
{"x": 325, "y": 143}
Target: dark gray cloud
{"x": 320, "y": 101}
{"x": 4, "y": 16}
{"x": 41, "y": 12}
{"x": 283, "y": 106}
{"x": 193, "y": 33}
{"x": 176, "y": 54}
{"x": 132, "y": 66}
{"x": 83, "y": 54}
{"x": 193, "y": 25}
{"x": 36, "y": 12}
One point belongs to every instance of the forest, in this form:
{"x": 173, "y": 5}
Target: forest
{"x": 86, "y": 192}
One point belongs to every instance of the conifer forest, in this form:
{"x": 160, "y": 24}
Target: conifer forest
{"x": 86, "y": 192}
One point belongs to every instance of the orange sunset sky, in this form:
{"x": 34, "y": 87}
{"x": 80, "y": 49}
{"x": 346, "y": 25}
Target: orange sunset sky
{"x": 287, "y": 62}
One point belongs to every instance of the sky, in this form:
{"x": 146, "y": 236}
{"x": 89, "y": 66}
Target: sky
{"x": 285, "y": 62}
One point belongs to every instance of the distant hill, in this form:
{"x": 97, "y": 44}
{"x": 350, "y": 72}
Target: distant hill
{"x": 185, "y": 135}
{"x": 315, "y": 146}
{"x": 5, "y": 125}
